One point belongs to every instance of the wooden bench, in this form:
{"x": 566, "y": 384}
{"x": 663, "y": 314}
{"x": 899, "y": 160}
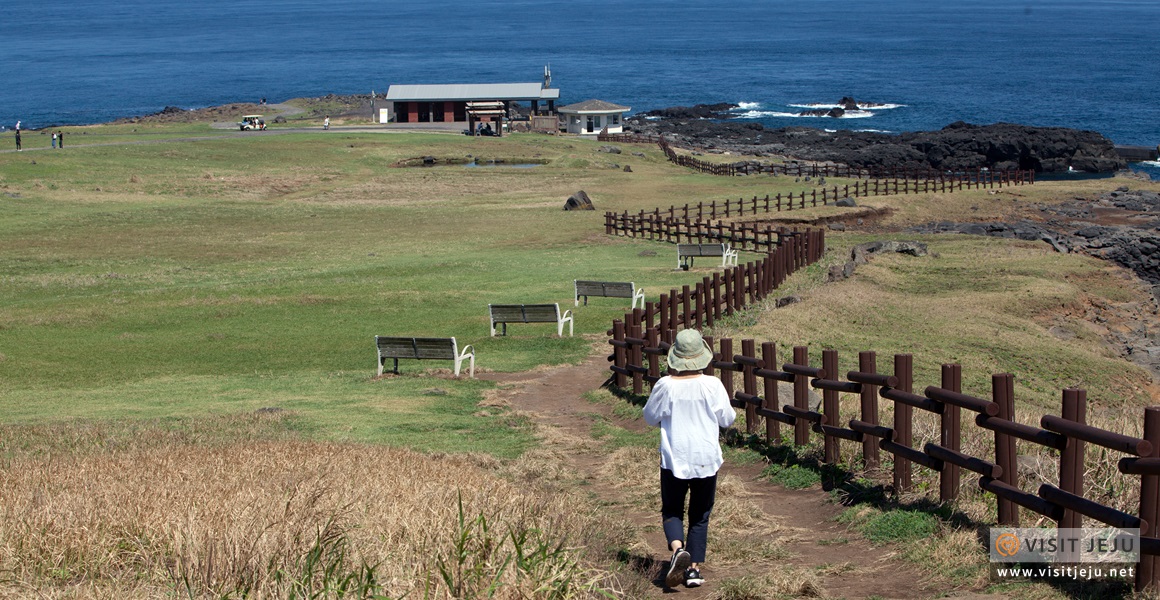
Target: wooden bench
{"x": 529, "y": 313}
{"x": 687, "y": 252}
{"x": 421, "y": 349}
{"x": 608, "y": 289}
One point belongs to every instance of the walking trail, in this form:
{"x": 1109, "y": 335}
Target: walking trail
{"x": 804, "y": 530}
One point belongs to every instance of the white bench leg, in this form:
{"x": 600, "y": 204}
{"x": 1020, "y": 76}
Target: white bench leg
{"x": 638, "y": 295}
{"x": 468, "y": 353}
{"x": 566, "y": 318}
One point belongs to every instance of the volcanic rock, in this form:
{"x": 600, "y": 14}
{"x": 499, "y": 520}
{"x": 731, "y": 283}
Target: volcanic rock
{"x": 957, "y": 147}
{"x": 579, "y": 201}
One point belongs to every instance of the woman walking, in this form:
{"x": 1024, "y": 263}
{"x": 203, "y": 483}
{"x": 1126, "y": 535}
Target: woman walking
{"x": 690, "y": 408}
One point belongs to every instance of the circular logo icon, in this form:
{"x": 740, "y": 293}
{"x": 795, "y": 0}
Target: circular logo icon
{"x": 1007, "y": 544}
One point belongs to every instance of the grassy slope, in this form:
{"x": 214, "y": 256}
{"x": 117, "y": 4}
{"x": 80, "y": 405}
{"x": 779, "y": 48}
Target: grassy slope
{"x": 188, "y": 278}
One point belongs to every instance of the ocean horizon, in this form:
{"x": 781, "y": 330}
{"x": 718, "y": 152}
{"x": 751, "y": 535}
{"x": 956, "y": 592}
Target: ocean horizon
{"x": 1081, "y": 65}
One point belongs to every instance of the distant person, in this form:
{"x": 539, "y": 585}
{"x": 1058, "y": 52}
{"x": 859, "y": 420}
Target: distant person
{"x": 690, "y": 408}
{"x": 18, "y": 148}
{"x": 326, "y": 122}
{"x": 54, "y": 140}
{"x": 60, "y": 140}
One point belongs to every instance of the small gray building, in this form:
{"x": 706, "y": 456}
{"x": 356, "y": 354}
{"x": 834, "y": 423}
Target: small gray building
{"x": 592, "y": 116}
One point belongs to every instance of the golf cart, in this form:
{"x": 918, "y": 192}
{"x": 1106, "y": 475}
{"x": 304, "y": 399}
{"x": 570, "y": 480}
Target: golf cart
{"x": 250, "y": 122}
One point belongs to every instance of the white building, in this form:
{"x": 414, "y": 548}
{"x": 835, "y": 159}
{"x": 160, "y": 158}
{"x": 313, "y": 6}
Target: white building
{"x": 592, "y": 116}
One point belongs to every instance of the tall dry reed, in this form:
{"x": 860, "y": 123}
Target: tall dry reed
{"x": 285, "y": 519}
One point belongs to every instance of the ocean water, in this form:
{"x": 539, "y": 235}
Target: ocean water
{"x": 1085, "y": 64}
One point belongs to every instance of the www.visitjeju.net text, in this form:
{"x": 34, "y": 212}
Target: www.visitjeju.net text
{"x": 1072, "y": 572}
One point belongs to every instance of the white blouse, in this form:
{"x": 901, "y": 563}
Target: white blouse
{"x": 690, "y": 413}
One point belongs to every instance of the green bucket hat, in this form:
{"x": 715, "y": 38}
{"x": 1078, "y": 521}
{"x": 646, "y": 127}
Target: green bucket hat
{"x": 689, "y": 352}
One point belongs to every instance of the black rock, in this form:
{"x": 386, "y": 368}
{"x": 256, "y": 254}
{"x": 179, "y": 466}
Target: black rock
{"x": 957, "y": 147}
{"x": 579, "y": 201}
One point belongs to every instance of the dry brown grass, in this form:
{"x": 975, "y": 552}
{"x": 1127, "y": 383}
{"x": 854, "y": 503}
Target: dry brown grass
{"x": 264, "y": 517}
{"x": 783, "y": 581}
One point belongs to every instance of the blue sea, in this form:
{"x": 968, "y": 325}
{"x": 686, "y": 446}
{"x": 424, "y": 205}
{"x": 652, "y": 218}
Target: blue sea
{"x": 1084, "y": 64}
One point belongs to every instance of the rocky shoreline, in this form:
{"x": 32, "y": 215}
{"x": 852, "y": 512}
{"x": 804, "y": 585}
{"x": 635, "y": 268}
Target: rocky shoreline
{"x": 957, "y": 147}
{"x": 1122, "y": 226}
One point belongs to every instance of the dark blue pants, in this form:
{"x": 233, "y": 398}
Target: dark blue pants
{"x": 702, "y": 493}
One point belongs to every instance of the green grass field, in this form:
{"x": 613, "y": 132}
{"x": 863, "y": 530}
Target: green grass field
{"x": 189, "y": 278}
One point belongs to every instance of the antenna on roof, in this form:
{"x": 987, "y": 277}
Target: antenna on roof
{"x": 547, "y": 76}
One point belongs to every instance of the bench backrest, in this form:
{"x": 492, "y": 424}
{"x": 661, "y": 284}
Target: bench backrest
{"x": 413, "y": 347}
{"x": 525, "y": 313}
{"x": 700, "y": 249}
{"x": 609, "y": 289}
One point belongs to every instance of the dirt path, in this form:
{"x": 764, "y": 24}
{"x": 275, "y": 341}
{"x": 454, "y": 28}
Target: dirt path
{"x": 846, "y": 565}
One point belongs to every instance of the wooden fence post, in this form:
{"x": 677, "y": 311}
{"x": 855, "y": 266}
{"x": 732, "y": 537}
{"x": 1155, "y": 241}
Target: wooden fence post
{"x": 654, "y": 361}
{"x": 699, "y": 307}
{"x": 636, "y": 357}
{"x": 801, "y": 396}
{"x": 1002, "y": 393}
{"x": 1146, "y": 574}
{"x": 770, "y": 399}
{"x": 868, "y": 363}
{"x": 1071, "y": 459}
{"x": 950, "y": 429}
{"x": 726, "y": 375}
{"x": 749, "y": 384}
{"x": 830, "y": 406}
{"x": 729, "y": 306}
{"x": 903, "y": 421}
{"x": 618, "y": 353}
{"x": 686, "y": 309}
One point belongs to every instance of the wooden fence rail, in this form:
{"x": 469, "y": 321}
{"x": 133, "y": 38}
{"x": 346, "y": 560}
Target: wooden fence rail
{"x": 640, "y": 342}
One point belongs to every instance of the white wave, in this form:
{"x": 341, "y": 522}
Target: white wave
{"x": 748, "y": 106}
{"x": 1150, "y": 163}
{"x": 873, "y": 131}
{"x": 830, "y": 130}
{"x": 757, "y": 114}
{"x": 867, "y": 106}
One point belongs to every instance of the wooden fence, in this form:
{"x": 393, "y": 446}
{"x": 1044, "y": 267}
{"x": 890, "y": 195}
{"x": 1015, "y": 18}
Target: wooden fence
{"x": 728, "y": 291}
{"x": 677, "y": 221}
{"x": 639, "y": 341}
{"x": 957, "y": 180}
{"x": 756, "y": 237}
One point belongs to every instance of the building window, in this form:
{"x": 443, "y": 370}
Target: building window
{"x": 615, "y": 119}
